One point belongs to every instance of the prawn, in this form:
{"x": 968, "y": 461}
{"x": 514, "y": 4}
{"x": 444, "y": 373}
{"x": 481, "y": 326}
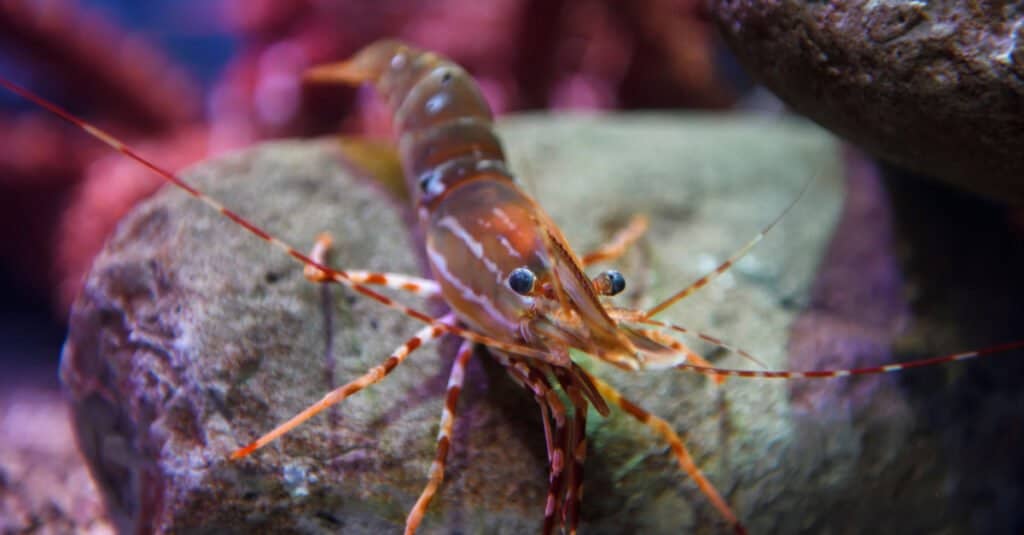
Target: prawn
{"x": 512, "y": 282}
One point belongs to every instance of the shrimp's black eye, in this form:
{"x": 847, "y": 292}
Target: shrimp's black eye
{"x": 610, "y": 282}
{"x": 521, "y": 280}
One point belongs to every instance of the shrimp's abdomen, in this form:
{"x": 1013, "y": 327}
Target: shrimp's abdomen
{"x": 445, "y": 126}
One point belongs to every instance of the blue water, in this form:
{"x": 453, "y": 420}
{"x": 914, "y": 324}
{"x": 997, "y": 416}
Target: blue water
{"x": 189, "y": 32}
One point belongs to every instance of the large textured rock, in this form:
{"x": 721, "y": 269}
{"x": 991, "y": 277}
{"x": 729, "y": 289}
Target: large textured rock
{"x": 936, "y": 87}
{"x": 191, "y": 338}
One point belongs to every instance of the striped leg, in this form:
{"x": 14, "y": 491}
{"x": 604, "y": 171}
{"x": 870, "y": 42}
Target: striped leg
{"x": 444, "y": 433}
{"x": 556, "y": 463}
{"x": 619, "y": 243}
{"x": 372, "y": 376}
{"x": 662, "y": 428}
{"x": 522, "y": 375}
{"x": 319, "y": 255}
{"x": 396, "y": 281}
{"x": 534, "y": 377}
{"x": 574, "y": 494}
{"x": 576, "y": 451}
{"x": 418, "y": 286}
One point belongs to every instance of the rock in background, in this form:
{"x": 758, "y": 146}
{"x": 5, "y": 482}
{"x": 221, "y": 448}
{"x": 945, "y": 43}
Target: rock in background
{"x": 192, "y": 338}
{"x": 935, "y": 87}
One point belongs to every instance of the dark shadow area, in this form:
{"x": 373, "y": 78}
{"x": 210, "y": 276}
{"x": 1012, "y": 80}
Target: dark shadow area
{"x": 964, "y": 259}
{"x": 30, "y": 336}
{"x": 915, "y": 270}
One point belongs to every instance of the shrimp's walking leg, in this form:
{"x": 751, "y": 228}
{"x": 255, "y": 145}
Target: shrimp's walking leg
{"x": 550, "y": 408}
{"x": 396, "y": 281}
{"x": 372, "y": 376}
{"x": 619, "y": 243}
{"x": 576, "y": 451}
{"x": 444, "y": 434}
{"x": 662, "y": 428}
{"x": 556, "y": 463}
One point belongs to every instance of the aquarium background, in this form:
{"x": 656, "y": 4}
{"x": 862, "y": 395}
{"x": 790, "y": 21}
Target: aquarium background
{"x": 184, "y": 80}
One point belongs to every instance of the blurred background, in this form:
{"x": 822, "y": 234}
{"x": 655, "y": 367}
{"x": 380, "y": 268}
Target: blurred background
{"x": 183, "y": 80}
{"x": 186, "y": 79}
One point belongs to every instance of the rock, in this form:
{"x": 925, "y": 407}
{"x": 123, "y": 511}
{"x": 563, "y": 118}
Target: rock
{"x": 45, "y": 487}
{"x": 192, "y": 338}
{"x": 936, "y": 87}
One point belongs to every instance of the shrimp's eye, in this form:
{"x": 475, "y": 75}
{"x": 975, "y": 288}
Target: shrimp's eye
{"x": 521, "y": 281}
{"x": 610, "y": 282}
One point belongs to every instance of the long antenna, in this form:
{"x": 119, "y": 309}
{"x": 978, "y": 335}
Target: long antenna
{"x": 332, "y": 274}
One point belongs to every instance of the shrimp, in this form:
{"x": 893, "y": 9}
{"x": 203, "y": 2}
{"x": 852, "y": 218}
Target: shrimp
{"x": 511, "y": 280}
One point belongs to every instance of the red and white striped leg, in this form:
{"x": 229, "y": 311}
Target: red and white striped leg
{"x": 556, "y": 464}
{"x": 417, "y": 286}
{"x": 576, "y": 452}
{"x": 407, "y": 283}
{"x": 662, "y": 428}
{"x": 444, "y": 437}
{"x": 533, "y": 382}
{"x": 372, "y": 376}
{"x": 533, "y": 375}
{"x": 323, "y": 243}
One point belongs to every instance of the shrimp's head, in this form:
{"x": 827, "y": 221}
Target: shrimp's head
{"x": 505, "y": 269}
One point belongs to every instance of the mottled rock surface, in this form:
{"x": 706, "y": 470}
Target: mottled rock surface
{"x": 45, "y": 488}
{"x": 936, "y": 87}
{"x": 191, "y": 338}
